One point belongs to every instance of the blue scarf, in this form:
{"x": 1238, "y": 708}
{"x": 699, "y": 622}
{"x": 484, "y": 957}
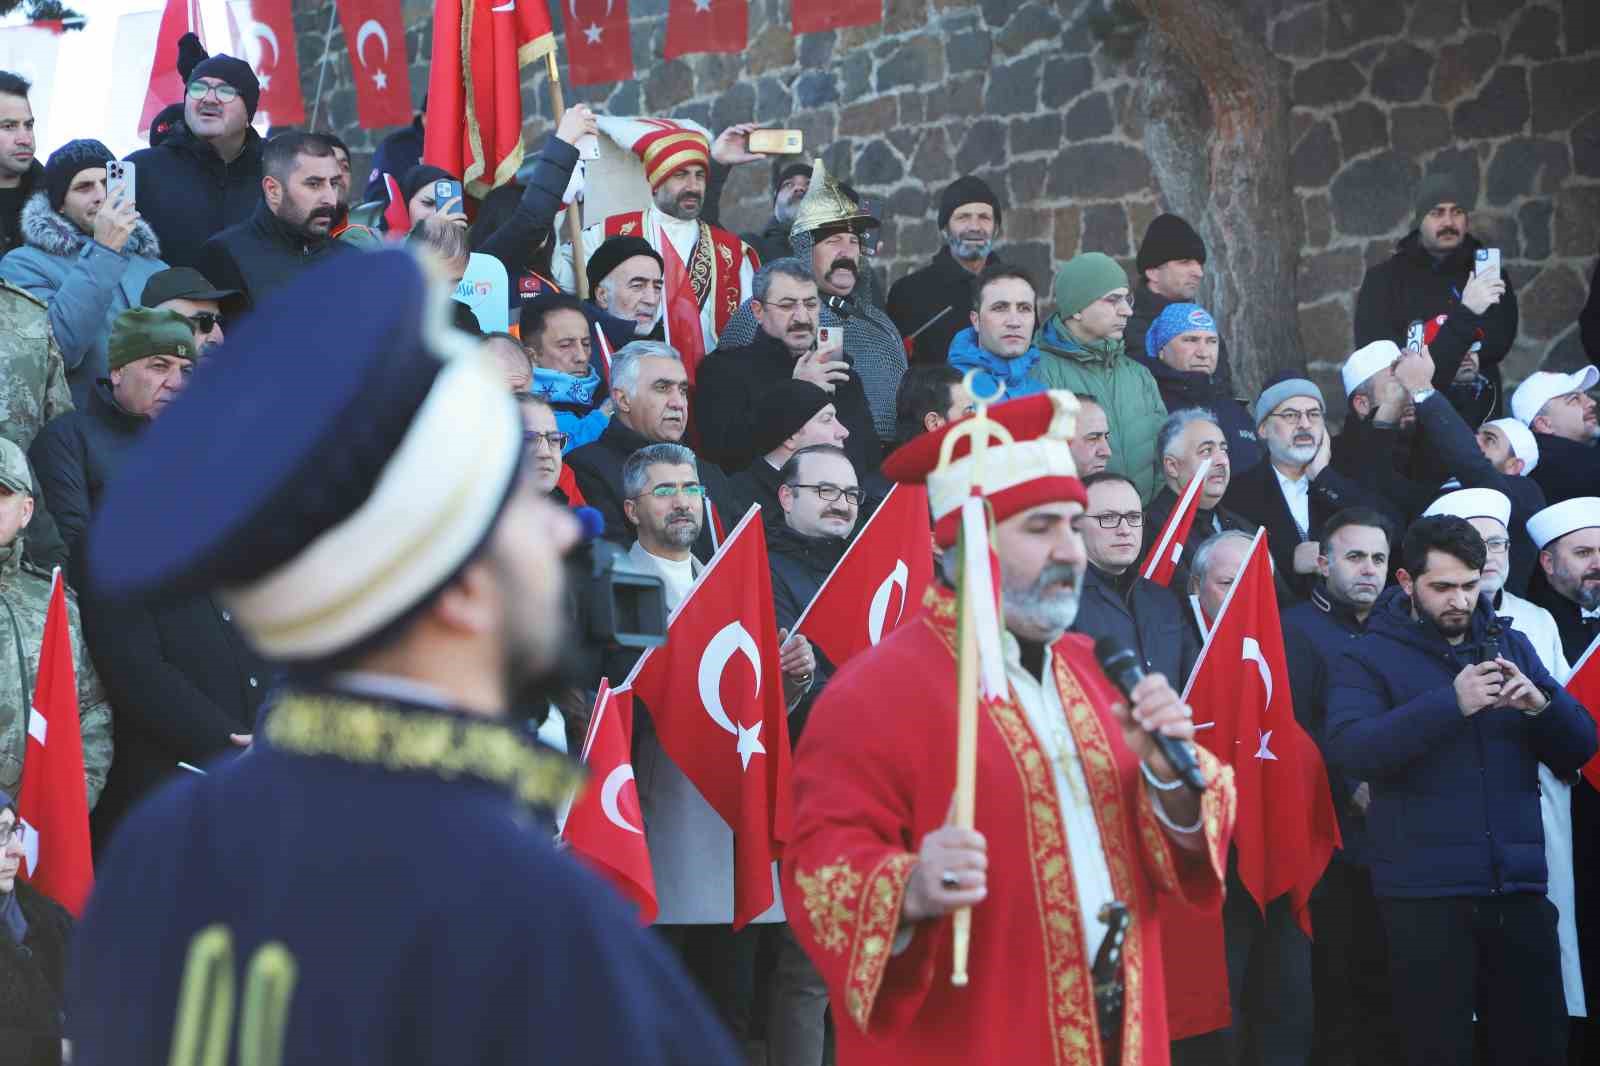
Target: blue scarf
{"x": 558, "y": 388}
{"x": 1016, "y": 374}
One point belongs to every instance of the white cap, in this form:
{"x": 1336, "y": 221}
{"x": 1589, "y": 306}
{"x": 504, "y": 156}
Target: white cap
{"x": 1520, "y": 437}
{"x": 1472, "y": 503}
{"x": 1559, "y": 519}
{"x": 1375, "y": 357}
{"x": 1542, "y": 386}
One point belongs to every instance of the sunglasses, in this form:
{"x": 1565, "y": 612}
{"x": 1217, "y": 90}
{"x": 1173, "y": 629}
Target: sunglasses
{"x": 225, "y": 93}
{"x": 205, "y": 321}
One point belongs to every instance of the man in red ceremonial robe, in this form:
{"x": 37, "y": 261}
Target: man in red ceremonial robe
{"x": 1076, "y": 806}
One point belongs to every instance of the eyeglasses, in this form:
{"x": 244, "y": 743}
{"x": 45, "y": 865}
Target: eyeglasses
{"x": 226, "y": 93}
{"x": 555, "y": 441}
{"x": 11, "y": 832}
{"x": 831, "y": 493}
{"x": 1497, "y": 544}
{"x": 204, "y": 321}
{"x": 1294, "y": 418}
{"x": 691, "y": 489}
{"x": 1110, "y": 519}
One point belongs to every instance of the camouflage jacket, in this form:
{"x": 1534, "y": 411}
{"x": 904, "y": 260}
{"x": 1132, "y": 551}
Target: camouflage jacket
{"x": 33, "y": 378}
{"x": 24, "y": 600}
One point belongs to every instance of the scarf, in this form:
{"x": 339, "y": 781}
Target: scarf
{"x": 558, "y": 388}
{"x": 12, "y": 920}
{"x": 1058, "y": 336}
{"x": 1016, "y": 374}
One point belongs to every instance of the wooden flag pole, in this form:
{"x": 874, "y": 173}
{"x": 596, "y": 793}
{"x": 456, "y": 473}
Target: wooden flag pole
{"x": 966, "y": 759}
{"x": 580, "y": 277}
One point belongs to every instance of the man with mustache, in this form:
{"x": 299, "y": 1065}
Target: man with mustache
{"x": 936, "y": 299}
{"x": 1558, "y": 409}
{"x": 1447, "y": 715}
{"x": 1076, "y": 806}
{"x": 732, "y": 381}
{"x": 293, "y": 220}
{"x": 1187, "y": 438}
{"x": 1431, "y": 274}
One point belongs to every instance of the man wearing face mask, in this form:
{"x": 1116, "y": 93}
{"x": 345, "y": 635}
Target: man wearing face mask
{"x": 935, "y": 300}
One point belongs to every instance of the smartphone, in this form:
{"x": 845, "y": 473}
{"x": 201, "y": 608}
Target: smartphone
{"x": 828, "y": 336}
{"x": 1414, "y": 337}
{"x": 445, "y": 190}
{"x": 1488, "y": 262}
{"x": 777, "y": 142}
{"x": 589, "y": 147}
{"x": 119, "y": 180}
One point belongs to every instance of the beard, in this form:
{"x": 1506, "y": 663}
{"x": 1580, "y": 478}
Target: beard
{"x": 1289, "y": 452}
{"x": 302, "y": 223}
{"x": 1449, "y": 625}
{"x": 1585, "y": 588}
{"x": 784, "y": 210}
{"x": 1039, "y": 607}
{"x": 680, "y": 530}
{"x": 969, "y": 246}
{"x": 1490, "y": 583}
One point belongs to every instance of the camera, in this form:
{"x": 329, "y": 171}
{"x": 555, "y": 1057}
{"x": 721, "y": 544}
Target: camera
{"x": 618, "y": 604}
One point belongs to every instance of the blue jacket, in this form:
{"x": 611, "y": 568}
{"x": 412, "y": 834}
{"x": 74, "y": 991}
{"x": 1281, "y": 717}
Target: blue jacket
{"x": 1455, "y": 800}
{"x": 1018, "y": 375}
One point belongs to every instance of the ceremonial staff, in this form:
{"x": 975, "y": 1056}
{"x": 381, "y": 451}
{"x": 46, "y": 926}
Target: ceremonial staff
{"x": 574, "y": 223}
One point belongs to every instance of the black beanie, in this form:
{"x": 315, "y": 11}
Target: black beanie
{"x": 782, "y": 173}
{"x": 612, "y": 254}
{"x": 237, "y": 73}
{"x": 783, "y": 410}
{"x": 66, "y": 161}
{"x": 1169, "y": 237}
{"x": 967, "y": 190}
{"x": 191, "y": 53}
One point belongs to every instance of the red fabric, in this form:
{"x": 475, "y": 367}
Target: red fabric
{"x": 375, "y": 33}
{"x": 706, "y": 26}
{"x": 814, "y": 16}
{"x": 1584, "y": 685}
{"x": 715, "y": 695}
{"x": 397, "y": 215}
{"x": 683, "y": 313}
{"x": 878, "y": 583}
{"x": 479, "y": 136}
{"x": 52, "y": 803}
{"x": 599, "y": 48}
{"x": 1287, "y": 829}
{"x": 278, "y": 61}
{"x": 1167, "y": 549}
{"x": 166, "y": 86}
{"x": 1195, "y": 962}
{"x": 1003, "y": 503}
{"x": 567, "y": 482}
{"x": 605, "y": 826}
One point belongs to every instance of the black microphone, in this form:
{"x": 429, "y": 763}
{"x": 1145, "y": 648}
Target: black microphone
{"x": 1125, "y": 669}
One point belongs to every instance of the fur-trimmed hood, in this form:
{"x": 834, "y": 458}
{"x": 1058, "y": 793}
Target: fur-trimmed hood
{"x": 54, "y": 234}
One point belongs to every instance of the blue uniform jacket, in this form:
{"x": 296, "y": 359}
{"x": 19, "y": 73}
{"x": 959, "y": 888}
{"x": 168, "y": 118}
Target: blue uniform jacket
{"x": 1455, "y": 800}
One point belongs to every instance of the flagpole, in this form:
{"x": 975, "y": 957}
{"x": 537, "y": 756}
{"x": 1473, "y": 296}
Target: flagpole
{"x": 322, "y": 65}
{"x": 966, "y": 756}
{"x": 580, "y": 278}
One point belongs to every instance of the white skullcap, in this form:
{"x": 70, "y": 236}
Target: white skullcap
{"x": 1520, "y": 437}
{"x": 1375, "y": 357}
{"x": 1559, "y": 519}
{"x": 1542, "y": 386}
{"x": 1472, "y": 503}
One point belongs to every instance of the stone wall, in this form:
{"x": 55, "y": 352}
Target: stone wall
{"x": 1039, "y": 98}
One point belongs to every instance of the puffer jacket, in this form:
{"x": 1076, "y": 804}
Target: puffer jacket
{"x": 1459, "y": 796}
{"x": 188, "y": 194}
{"x": 1018, "y": 375}
{"x": 1124, "y": 387}
{"x": 86, "y": 284}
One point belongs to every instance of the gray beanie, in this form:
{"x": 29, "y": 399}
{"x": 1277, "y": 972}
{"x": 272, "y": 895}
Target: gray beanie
{"x": 1283, "y": 389}
{"x": 1439, "y": 189}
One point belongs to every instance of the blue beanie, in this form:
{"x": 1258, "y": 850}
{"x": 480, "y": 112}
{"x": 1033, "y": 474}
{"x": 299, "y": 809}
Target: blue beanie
{"x": 1175, "y": 320}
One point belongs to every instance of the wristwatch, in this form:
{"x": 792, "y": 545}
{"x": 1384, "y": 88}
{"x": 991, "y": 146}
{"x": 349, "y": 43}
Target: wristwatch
{"x": 1421, "y": 394}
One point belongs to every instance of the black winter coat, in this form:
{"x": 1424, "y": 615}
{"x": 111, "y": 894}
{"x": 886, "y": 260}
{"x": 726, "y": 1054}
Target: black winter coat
{"x": 260, "y": 254}
{"x": 921, "y": 294}
{"x": 800, "y": 565}
{"x": 75, "y": 455}
{"x": 1566, "y": 468}
{"x": 1181, "y": 389}
{"x": 1412, "y": 286}
{"x": 11, "y": 221}
{"x": 189, "y": 195}
{"x": 1146, "y": 306}
{"x": 731, "y": 381}
{"x": 33, "y": 982}
{"x": 1151, "y": 620}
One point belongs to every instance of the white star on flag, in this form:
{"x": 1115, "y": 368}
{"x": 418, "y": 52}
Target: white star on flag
{"x": 265, "y": 80}
{"x": 591, "y": 35}
{"x": 702, "y": 5}
{"x": 381, "y": 80}
{"x": 748, "y": 745}
{"x": 1264, "y": 752}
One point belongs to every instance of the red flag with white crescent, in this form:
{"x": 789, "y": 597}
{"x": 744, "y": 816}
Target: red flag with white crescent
{"x": 1167, "y": 550}
{"x": 715, "y": 695}
{"x": 706, "y": 26}
{"x": 599, "y": 48}
{"x": 606, "y": 826}
{"x": 267, "y": 38}
{"x": 53, "y": 803}
{"x": 878, "y": 582}
{"x": 1584, "y": 686}
{"x": 166, "y": 84}
{"x": 375, "y": 33}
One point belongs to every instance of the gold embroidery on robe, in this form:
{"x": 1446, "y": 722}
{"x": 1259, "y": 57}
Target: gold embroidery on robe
{"x": 878, "y": 915}
{"x": 829, "y": 893}
{"x": 702, "y": 265}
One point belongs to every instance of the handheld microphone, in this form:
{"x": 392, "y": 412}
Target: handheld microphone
{"x": 1123, "y": 666}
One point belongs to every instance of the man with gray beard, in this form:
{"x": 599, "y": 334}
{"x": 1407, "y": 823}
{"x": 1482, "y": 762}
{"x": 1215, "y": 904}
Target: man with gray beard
{"x": 935, "y": 300}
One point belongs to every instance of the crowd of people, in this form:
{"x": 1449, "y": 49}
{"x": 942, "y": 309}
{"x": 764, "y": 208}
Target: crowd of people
{"x": 1436, "y": 559}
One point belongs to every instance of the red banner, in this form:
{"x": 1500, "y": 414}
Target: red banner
{"x": 598, "y": 46}
{"x": 1584, "y": 686}
{"x": 1167, "y": 550}
{"x": 706, "y": 26}
{"x": 605, "y": 826}
{"x": 166, "y": 86}
{"x": 814, "y": 16}
{"x": 375, "y": 33}
{"x": 53, "y": 805}
{"x": 276, "y": 59}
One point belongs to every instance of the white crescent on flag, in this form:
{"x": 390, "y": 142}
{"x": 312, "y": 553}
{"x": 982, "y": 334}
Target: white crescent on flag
{"x": 266, "y": 35}
{"x": 371, "y": 28}
{"x": 878, "y": 611}
{"x": 30, "y": 846}
{"x": 732, "y": 639}
{"x": 1253, "y": 653}
{"x": 608, "y": 798}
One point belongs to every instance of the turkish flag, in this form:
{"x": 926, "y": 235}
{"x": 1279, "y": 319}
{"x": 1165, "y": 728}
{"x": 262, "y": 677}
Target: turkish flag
{"x": 879, "y": 581}
{"x": 599, "y": 48}
{"x": 814, "y": 16}
{"x": 1165, "y": 553}
{"x": 682, "y": 320}
{"x": 478, "y": 133}
{"x": 1244, "y": 713}
{"x": 605, "y": 825}
{"x": 1584, "y": 686}
{"x": 375, "y": 33}
{"x": 166, "y": 84}
{"x": 53, "y": 804}
{"x": 715, "y": 695}
{"x": 706, "y": 26}
{"x": 267, "y": 37}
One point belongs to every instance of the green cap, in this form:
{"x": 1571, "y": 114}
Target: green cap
{"x": 140, "y": 332}
{"x": 1085, "y": 278}
{"x": 14, "y": 473}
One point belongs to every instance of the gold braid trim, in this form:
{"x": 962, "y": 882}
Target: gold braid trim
{"x": 702, "y": 266}
{"x": 877, "y": 916}
{"x": 416, "y": 740}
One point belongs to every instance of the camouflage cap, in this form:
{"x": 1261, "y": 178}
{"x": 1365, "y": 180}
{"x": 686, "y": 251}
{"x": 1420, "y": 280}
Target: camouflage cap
{"x": 14, "y": 473}
{"x": 140, "y": 332}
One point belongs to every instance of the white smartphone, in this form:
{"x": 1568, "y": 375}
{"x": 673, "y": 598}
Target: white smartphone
{"x": 588, "y": 147}
{"x": 827, "y": 337}
{"x": 119, "y": 180}
{"x": 1487, "y": 262}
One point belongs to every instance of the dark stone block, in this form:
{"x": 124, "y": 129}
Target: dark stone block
{"x": 1041, "y": 134}
{"x": 1500, "y": 231}
{"x": 983, "y": 146}
{"x": 1026, "y": 178}
{"x": 1333, "y": 273}
{"x": 910, "y": 201}
{"x": 1537, "y": 36}
{"x": 1102, "y": 170}
{"x": 624, "y": 99}
{"x": 1090, "y": 118}
{"x": 1032, "y": 22}
{"x": 1563, "y": 93}
{"x": 932, "y": 160}
{"x": 1488, "y": 13}
{"x": 855, "y": 75}
{"x": 968, "y": 51}
{"x": 1586, "y": 146}
{"x": 1361, "y": 129}
{"x": 1325, "y": 331}
{"x": 962, "y": 97}
{"x": 996, "y": 12}
{"x": 1524, "y": 167}
{"x": 1331, "y": 81}
{"x": 1031, "y": 256}
{"x": 1318, "y": 221}
{"x": 1352, "y": 21}
{"x": 1316, "y": 158}
{"x": 870, "y": 118}
{"x": 1302, "y": 34}
{"x": 1462, "y": 66}
{"x": 1078, "y": 35}
{"x": 1067, "y": 232}
{"x": 1582, "y": 22}
{"x": 1578, "y": 220}
{"x": 1534, "y": 221}
{"x": 1066, "y": 80}
{"x": 1461, "y": 164}
{"x": 905, "y": 141}
{"x": 699, "y": 111}
{"x": 1402, "y": 74}
{"x": 916, "y": 62}
{"x": 1500, "y": 110}
{"x": 1419, "y": 129}
{"x": 1105, "y": 229}
{"x": 1014, "y": 88}
{"x": 1550, "y": 302}
{"x": 773, "y": 101}
{"x": 1567, "y": 354}
{"x": 1372, "y": 196}
{"x": 1435, "y": 20}
{"x": 668, "y": 84}
{"x": 815, "y": 49}
{"x": 736, "y": 105}
{"x": 815, "y": 88}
